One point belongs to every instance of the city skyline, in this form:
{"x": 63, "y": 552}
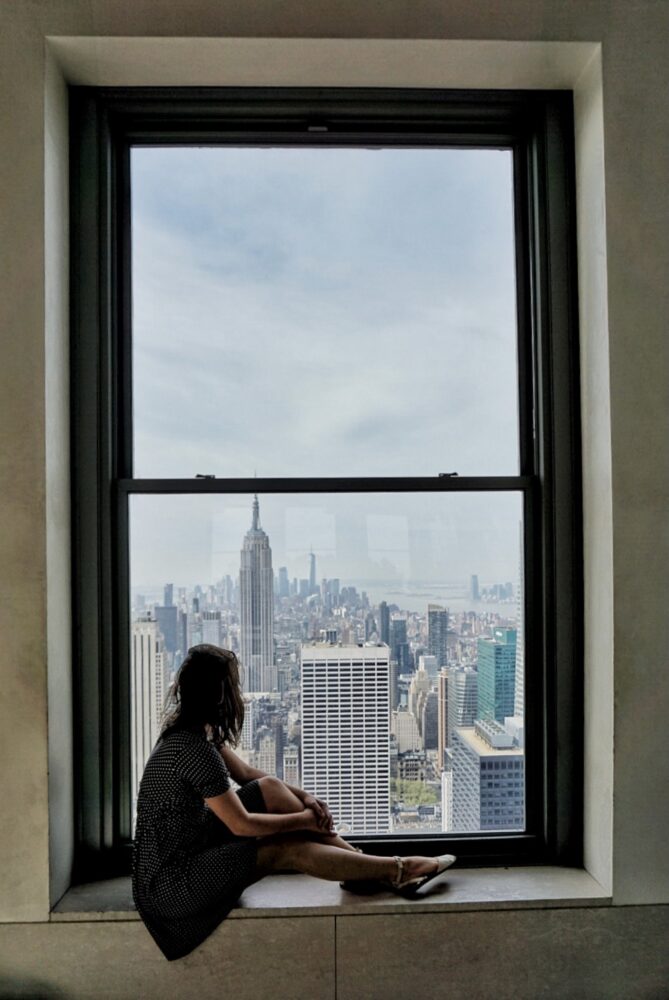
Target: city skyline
{"x": 390, "y": 538}
{"x": 396, "y": 735}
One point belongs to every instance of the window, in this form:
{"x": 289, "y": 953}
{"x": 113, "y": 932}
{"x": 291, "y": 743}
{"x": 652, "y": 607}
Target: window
{"x": 325, "y": 411}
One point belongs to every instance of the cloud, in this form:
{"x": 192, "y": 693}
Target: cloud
{"x": 323, "y": 312}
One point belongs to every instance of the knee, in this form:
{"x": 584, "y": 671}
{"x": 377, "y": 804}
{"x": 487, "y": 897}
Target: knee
{"x": 270, "y": 784}
{"x": 272, "y": 790}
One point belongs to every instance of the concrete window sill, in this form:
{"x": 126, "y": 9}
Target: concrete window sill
{"x": 303, "y": 896}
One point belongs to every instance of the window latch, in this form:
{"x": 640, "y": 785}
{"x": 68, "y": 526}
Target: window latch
{"x": 199, "y": 475}
{"x": 447, "y": 475}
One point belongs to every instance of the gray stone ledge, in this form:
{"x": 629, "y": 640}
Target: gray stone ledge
{"x": 303, "y": 896}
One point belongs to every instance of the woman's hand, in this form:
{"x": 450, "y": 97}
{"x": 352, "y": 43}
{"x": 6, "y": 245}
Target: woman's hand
{"x": 312, "y": 824}
{"x": 321, "y": 810}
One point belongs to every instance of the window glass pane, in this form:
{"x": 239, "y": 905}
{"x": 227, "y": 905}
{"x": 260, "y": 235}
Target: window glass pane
{"x": 381, "y": 640}
{"x": 323, "y": 312}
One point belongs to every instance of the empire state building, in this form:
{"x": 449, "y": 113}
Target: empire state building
{"x": 256, "y": 584}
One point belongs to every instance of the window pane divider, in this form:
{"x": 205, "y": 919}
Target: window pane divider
{"x": 392, "y": 484}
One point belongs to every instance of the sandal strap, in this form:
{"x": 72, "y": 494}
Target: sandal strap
{"x": 400, "y": 871}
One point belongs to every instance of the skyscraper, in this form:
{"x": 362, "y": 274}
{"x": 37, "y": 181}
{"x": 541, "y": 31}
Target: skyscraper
{"x": 461, "y": 699}
{"x": 313, "y": 589}
{"x": 291, "y": 764}
{"x": 497, "y": 675}
{"x": 167, "y": 622}
{"x": 442, "y": 716}
{"x": 399, "y": 646}
{"x": 256, "y": 590}
{"x": 211, "y": 628}
{"x": 147, "y": 695}
{"x": 437, "y": 633}
{"x": 345, "y": 732}
{"x": 384, "y": 622}
{"x": 488, "y": 779}
{"x": 429, "y": 721}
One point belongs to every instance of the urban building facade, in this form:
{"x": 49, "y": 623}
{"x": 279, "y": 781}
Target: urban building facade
{"x": 256, "y": 590}
{"x": 345, "y": 732}
{"x": 488, "y": 778}
{"x": 148, "y": 687}
{"x": 497, "y": 675}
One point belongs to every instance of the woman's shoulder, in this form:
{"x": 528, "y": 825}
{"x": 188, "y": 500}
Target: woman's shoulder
{"x": 177, "y": 736}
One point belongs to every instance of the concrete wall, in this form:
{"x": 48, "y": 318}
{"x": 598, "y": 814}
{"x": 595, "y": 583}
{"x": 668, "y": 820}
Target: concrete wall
{"x": 614, "y": 55}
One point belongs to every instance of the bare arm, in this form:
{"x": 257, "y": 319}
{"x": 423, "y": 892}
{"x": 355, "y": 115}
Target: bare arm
{"x": 242, "y": 772}
{"x": 239, "y": 769}
{"x": 230, "y": 809}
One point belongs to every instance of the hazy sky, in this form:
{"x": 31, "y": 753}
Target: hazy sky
{"x": 319, "y": 312}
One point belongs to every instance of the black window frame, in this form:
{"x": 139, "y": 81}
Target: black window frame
{"x": 538, "y": 127}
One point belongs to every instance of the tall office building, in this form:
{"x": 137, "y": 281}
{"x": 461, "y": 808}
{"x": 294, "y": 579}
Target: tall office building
{"x": 399, "y": 646}
{"x": 313, "y": 589}
{"x": 291, "y": 765}
{"x": 429, "y": 721}
{"x": 384, "y": 623}
{"x": 249, "y": 726}
{"x": 488, "y": 779}
{"x": 431, "y": 664}
{"x": 182, "y": 634}
{"x": 265, "y": 756}
{"x": 167, "y": 622}
{"x": 405, "y": 730}
{"x": 345, "y": 732}
{"x": 446, "y": 801}
{"x": 256, "y": 591}
{"x": 442, "y": 717}
{"x": 147, "y": 695}
{"x": 284, "y": 588}
{"x": 211, "y": 628}
{"x": 394, "y": 685}
{"x": 420, "y": 684}
{"x": 437, "y": 633}
{"x": 462, "y": 699}
{"x": 497, "y": 675}
{"x": 474, "y": 591}
{"x": 168, "y": 595}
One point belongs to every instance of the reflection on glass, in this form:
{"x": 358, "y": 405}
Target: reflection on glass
{"x": 323, "y": 312}
{"x": 381, "y": 640}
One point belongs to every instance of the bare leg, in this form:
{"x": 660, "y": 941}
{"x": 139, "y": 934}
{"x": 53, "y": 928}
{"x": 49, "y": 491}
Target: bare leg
{"x": 279, "y": 799}
{"x": 327, "y": 861}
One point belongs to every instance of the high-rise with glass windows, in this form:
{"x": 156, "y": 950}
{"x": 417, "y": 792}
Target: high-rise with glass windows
{"x": 384, "y": 622}
{"x": 488, "y": 773}
{"x": 256, "y": 593}
{"x": 497, "y": 675}
{"x": 437, "y": 633}
{"x": 345, "y": 732}
{"x": 399, "y": 645}
{"x": 461, "y": 699}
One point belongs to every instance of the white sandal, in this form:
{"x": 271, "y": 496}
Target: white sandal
{"x": 412, "y": 885}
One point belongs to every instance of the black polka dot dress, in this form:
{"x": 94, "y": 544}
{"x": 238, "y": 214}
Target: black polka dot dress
{"x": 188, "y": 868}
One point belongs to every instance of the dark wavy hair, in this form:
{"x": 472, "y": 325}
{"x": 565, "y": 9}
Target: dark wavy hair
{"x": 207, "y": 691}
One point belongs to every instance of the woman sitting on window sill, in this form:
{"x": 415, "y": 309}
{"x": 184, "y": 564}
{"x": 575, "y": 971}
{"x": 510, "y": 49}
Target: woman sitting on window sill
{"x": 199, "y": 844}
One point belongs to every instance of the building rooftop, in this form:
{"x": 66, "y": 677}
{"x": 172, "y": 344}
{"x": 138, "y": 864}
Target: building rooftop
{"x": 349, "y": 651}
{"x": 470, "y": 737}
